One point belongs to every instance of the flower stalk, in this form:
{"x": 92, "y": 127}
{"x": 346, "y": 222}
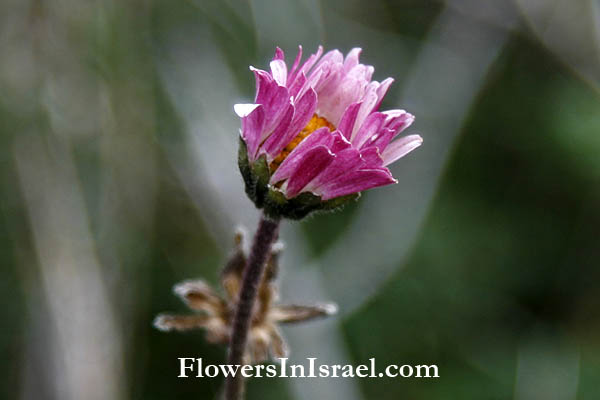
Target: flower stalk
{"x": 265, "y": 236}
{"x": 312, "y": 141}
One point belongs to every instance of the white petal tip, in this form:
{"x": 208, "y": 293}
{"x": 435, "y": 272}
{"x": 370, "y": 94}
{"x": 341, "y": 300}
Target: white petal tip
{"x": 242, "y": 110}
{"x": 277, "y": 247}
{"x": 329, "y": 308}
{"x": 161, "y": 324}
{"x": 240, "y": 234}
{"x": 182, "y": 289}
{"x": 240, "y": 230}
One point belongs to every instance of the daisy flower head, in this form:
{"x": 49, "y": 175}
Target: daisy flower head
{"x": 314, "y": 137}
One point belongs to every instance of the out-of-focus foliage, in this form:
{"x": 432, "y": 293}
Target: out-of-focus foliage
{"x": 118, "y": 179}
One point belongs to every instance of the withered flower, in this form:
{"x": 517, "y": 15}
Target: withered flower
{"x": 216, "y": 312}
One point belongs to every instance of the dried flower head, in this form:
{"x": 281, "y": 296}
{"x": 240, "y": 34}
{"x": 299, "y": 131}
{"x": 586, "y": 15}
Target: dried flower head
{"x": 314, "y": 138}
{"x": 215, "y": 312}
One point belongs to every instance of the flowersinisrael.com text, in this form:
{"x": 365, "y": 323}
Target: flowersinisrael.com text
{"x": 195, "y": 368}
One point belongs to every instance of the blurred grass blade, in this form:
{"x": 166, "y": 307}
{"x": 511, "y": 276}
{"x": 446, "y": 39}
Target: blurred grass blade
{"x": 443, "y": 83}
{"x": 88, "y": 363}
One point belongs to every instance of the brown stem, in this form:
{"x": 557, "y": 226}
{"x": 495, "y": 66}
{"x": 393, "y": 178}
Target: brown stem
{"x": 264, "y": 237}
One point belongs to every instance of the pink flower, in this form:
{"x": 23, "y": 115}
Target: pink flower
{"x": 318, "y": 126}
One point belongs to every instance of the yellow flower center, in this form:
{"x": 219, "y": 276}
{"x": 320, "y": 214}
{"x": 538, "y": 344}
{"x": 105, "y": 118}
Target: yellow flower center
{"x": 315, "y": 123}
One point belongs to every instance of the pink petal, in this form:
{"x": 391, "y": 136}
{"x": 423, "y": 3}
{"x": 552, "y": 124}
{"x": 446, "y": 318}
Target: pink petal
{"x": 371, "y": 158}
{"x": 272, "y": 96}
{"x": 320, "y": 137}
{"x": 398, "y": 120}
{"x": 345, "y": 161}
{"x": 369, "y": 72}
{"x": 293, "y": 72}
{"x": 369, "y": 101}
{"x": 330, "y": 75}
{"x": 362, "y": 72}
{"x": 275, "y": 106}
{"x": 382, "y": 90}
{"x": 280, "y": 136}
{"x": 369, "y": 128}
{"x": 279, "y": 54}
{"x": 298, "y": 83}
{"x": 264, "y": 85}
{"x": 310, "y": 61}
{"x": 313, "y": 162}
{"x": 279, "y": 71}
{"x": 400, "y": 147}
{"x": 356, "y": 181}
{"x": 310, "y": 83}
{"x": 352, "y": 59}
{"x": 334, "y": 101}
{"x": 252, "y": 126}
{"x": 304, "y": 109}
{"x": 347, "y": 122}
{"x": 332, "y": 56}
{"x": 339, "y": 142}
{"x": 381, "y": 139}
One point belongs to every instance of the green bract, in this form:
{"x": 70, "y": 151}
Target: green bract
{"x": 272, "y": 201}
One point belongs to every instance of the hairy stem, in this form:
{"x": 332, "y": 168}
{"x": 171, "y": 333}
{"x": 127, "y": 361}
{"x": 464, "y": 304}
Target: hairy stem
{"x": 264, "y": 237}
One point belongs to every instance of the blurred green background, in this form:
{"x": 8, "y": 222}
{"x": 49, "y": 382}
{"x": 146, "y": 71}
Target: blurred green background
{"x": 118, "y": 180}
